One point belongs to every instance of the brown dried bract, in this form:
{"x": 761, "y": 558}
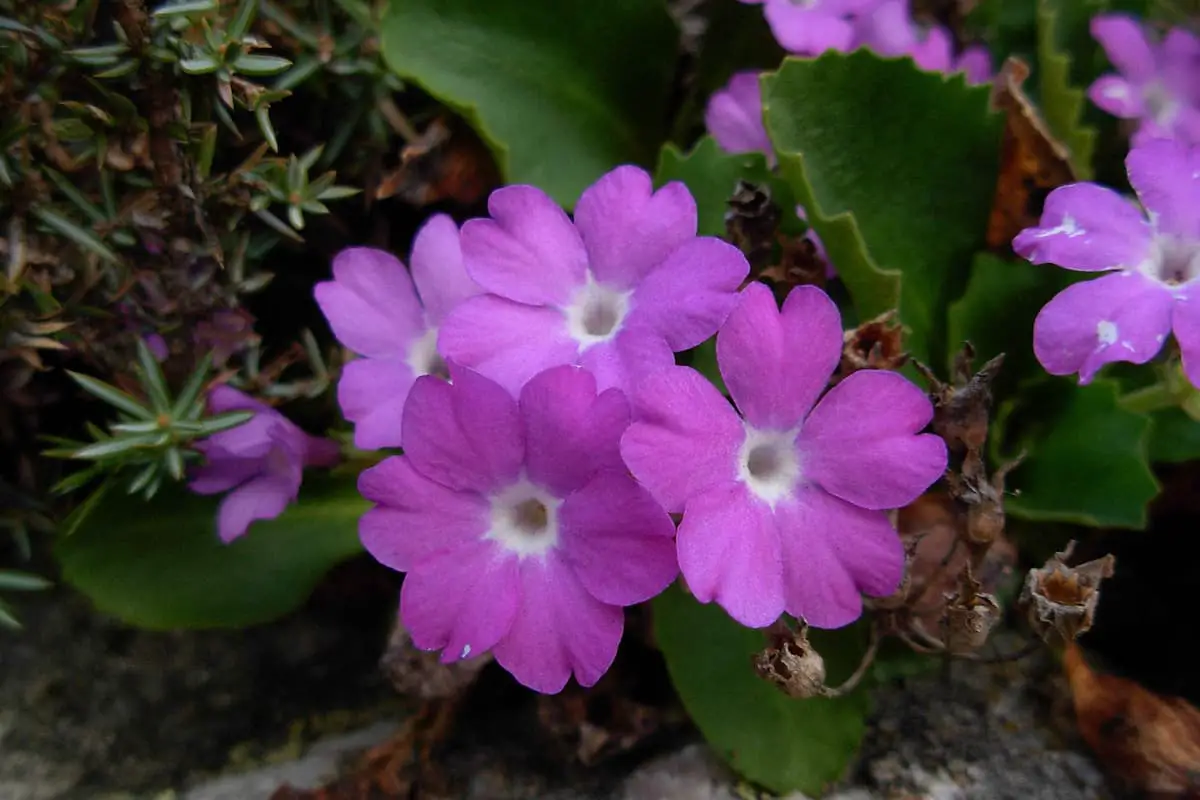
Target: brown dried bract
{"x": 983, "y": 498}
{"x": 791, "y": 663}
{"x": 1148, "y": 742}
{"x": 1032, "y": 161}
{"x": 970, "y": 616}
{"x": 961, "y": 409}
{"x": 446, "y": 162}
{"x": 1061, "y": 601}
{"x": 752, "y": 223}
{"x": 876, "y": 344}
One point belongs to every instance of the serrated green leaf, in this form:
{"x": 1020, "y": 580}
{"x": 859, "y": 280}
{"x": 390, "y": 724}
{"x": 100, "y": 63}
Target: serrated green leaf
{"x": 1088, "y": 458}
{"x": 897, "y": 169}
{"x": 161, "y": 566}
{"x": 779, "y": 742}
{"x": 1062, "y": 102}
{"x": 1174, "y": 437}
{"x": 561, "y": 92}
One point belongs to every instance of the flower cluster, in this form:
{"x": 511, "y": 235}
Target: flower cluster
{"x": 527, "y": 371}
{"x": 1158, "y": 81}
{"x": 1151, "y": 254}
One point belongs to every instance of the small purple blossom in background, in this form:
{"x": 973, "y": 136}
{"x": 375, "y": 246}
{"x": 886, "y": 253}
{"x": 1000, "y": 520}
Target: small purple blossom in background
{"x": 734, "y": 117}
{"x": 376, "y": 310}
{"x": 518, "y": 526}
{"x": 1154, "y": 258}
{"x": 783, "y": 503}
{"x": 618, "y": 291}
{"x": 260, "y": 463}
{"x": 810, "y": 27}
{"x": 1158, "y": 82}
{"x": 888, "y": 29}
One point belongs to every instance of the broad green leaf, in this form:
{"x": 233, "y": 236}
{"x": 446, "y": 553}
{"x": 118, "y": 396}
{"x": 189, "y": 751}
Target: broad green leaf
{"x": 1088, "y": 461}
{"x": 160, "y": 565}
{"x": 779, "y": 742}
{"x": 1174, "y": 436}
{"x": 1061, "y": 31}
{"x": 896, "y": 168}
{"x": 711, "y": 175}
{"x": 561, "y": 92}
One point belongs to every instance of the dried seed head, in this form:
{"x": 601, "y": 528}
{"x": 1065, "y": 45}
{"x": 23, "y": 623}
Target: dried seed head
{"x": 969, "y": 617}
{"x": 876, "y": 344}
{"x": 752, "y": 223}
{"x": 791, "y": 663}
{"x": 961, "y": 409}
{"x": 1061, "y": 601}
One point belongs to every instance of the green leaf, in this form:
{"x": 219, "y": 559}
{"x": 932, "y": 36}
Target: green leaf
{"x": 160, "y": 565}
{"x": 80, "y": 236}
{"x": 153, "y": 379}
{"x": 111, "y": 395}
{"x": 12, "y": 581}
{"x": 896, "y": 168}
{"x": 185, "y": 8}
{"x": 1061, "y": 31}
{"x": 774, "y": 740}
{"x": 1088, "y": 461}
{"x": 561, "y": 92}
{"x": 119, "y": 445}
{"x": 256, "y": 65}
{"x": 1174, "y": 437}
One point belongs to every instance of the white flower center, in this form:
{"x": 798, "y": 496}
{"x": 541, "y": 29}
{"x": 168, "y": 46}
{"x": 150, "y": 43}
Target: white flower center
{"x": 524, "y": 519}
{"x": 1161, "y": 105}
{"x": 595, "y": 313}
{"x": 1172, "y": 260}
{"x": 423, "y": 356}
{"x": 768, "y": 464}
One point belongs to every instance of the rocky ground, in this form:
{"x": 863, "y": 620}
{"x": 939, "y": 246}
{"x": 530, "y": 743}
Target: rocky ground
{"x": 92, "y": 709}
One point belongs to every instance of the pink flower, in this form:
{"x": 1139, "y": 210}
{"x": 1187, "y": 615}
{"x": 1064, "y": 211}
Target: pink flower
{"x": 889, "y": 29}
{"x": 618, "y": 291}
{"x": 782, "y": 503}
{"x": 260, "y": 462}
{"x": 1153, "y": 259}
{"x": 518, "y": 525}
{"x": 376, "y": 311}
{"x": 734, "y": 117}
{"x": 1158, "y": 84}
{"x": 810, "y": 27}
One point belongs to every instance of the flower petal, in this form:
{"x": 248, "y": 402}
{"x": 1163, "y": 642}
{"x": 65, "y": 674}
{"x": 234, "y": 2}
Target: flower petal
{"x": 618, "y": 539}
{"x": 437, "y": 268}
{"x": 729, "y": 551}
{"x": 560, "y": 629}
{"x": 528, "y": 251}
{"x": 976, "y": 63}
{"x": 688, "y": 297}
{"x": 1124, "y": 41}
{"x": 833, "y": 552}
{"x": 222, "y": 474}
{"x": 321, "y": 452}
{"x": 571, "y": 432}
{"x": 860, "y": 443}
{"x": 464, "y": 436}
{"x": 734, "y": 117}
{"x": 416, "y": 518}
{"x": 1117, "y": 96}
{"x": 1089, "y": 228}
{"x": 371, "y": 393}
{"x": 462, "y": 601}
{"x": 1185, "y": 321}
{"x": 264, "y": 497}
{"x": 775, "y": 363}
{"x": 628, "y": 228}
{"x": 1121, "y": 317}
{"x": 371, "y": 304}
{"x": 1166, "y": 176}
{"x": 506, "y": 341}
{"x": 633, "y": 354}
{"x": 684, "y": 438}
{"x": 806, "y": 31}
{"x": 935, "y": 52}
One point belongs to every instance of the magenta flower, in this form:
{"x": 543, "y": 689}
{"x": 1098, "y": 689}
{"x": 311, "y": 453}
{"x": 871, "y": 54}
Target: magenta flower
{"x": 810, "y": 27}
{"x": 376, "y": 311}
{"x": 734, "y": 117}
{"x": 1158, "y": 84}
{"x": 1154, "y": 259}
{"x": 617, "y": 292}
{"x": 889, "y": 29}
{"x": 783, "y": 503}
{"x": 518, "y": 525}
{"x": 260, "y": 463}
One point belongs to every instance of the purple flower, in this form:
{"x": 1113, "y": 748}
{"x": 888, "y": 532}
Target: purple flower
{"x": 810, "y": 27}
{"x": 518, "y": 525}
{"x": 616, "y": 292}
{"x": 376, "y": 311}
{"x": 1154, "y": 259}
{"x": 260, "y": 463}
{"x": 783, "y": 503}
{"x": 734, "y": 117}
{"x": 888, "y": 29}
{"x": 1158, "y": 84}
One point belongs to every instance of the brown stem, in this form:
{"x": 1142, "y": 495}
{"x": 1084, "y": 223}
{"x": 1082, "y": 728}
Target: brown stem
{"x": 851, "y": 683}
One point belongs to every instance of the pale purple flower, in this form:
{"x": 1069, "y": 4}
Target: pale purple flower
{"x": 520, "y": 530}
{"x": 810, "y": 27}
{"x": 260, "y": 462}
{"x": 888, "y": 29}
{"x": 783, "y": 503}
{"x": 1153, "y": 260}
{"x": 734, "y": 117}
{"x": 376, "y": 310}
{"x": 1158, "y": 82}
{"x": 618, "y": 291}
